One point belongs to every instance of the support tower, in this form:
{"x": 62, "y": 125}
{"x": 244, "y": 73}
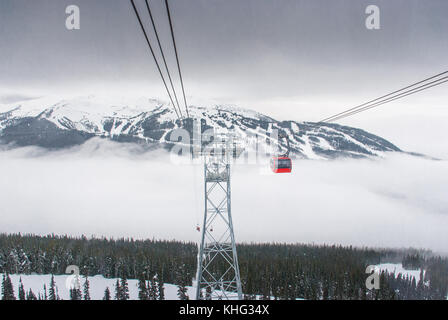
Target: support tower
{"x": 218, "y": 272}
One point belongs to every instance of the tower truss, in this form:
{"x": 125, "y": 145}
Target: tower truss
{"x": 218, "y": 276}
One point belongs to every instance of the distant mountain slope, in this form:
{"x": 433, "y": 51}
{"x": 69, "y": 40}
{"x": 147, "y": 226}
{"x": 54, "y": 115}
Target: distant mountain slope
{"x": 59, "y": 123}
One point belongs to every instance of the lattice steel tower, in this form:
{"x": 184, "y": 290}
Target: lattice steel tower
{"x": 218, "y": 273}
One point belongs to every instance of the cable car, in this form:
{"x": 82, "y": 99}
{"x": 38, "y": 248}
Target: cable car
{"x": 282, "y": 163}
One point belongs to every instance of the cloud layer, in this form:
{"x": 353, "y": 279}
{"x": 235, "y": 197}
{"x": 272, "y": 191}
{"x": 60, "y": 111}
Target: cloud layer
{"x": 110, "y": 189}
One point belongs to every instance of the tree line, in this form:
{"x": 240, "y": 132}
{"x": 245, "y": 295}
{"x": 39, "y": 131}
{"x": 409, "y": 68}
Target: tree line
{"x": 268, "y": 271}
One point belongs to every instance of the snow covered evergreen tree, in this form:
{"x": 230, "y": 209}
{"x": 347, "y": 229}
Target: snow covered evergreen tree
{"x": 52, "y": 291}
{"x": 22, "y": 294}
{"x": 124, "y": 289}
{"x": 182, "y": 293}
{"x": 25, "y": 265}
{"x": 45, "y": 297}
{"x": 118, "y": 290}
{"x": 75, "y": 294}
{"x": 86, "y": 290}
{"x": 153, "y": 289}
{"x": 106, "y": 294}
{"x": 421, "y": 285}
{"x": 142, "y": 289}
{"x": 311, "y": 271}
{"x": 30, "y": 295}
{"x": 161, "y": 290}
{"x": 7, "y": 288}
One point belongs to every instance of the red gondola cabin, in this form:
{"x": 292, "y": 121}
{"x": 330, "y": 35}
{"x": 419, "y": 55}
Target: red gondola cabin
{"x": 281, "y": 164}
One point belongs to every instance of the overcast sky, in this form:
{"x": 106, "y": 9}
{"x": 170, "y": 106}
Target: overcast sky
{"x": 250, "y": 50}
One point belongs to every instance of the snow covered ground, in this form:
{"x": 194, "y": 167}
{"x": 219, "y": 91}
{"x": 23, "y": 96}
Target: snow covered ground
{"x": 98, "y": 285}
{"x": 397, "y": 268}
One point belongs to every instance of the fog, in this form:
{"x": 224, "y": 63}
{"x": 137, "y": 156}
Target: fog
{"x": 108, "y": 189}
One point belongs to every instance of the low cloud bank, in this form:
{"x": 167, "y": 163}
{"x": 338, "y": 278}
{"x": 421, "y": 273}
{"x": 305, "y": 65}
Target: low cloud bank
{"x": 111, "y": 189}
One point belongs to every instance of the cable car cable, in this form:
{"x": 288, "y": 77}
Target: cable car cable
{"x": 177, "y": 56}
{"x": 402, "y": 95}
{"x": 163, "y": 55}
{"x": 387, "y": 95}
{"x": 354, "y": 108}
{"x": 153, "y": 55}
{"x": 393, "y": 98}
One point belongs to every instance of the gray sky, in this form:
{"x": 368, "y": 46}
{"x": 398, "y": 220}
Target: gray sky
{"x": 291, "y": 59}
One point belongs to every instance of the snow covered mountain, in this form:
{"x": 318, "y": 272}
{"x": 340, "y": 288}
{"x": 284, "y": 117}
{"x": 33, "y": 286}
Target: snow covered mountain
{"x": 53, "y": 122}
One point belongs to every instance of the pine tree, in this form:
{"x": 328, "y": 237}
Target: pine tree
{"x": 106, "y": 294}
{"x": 31, "y": 295}
{"x": 142, "y": 289}
{"x": 45, "y": 292}
{"x": 7, "y": 288}
{"x": 124, "y": 289}
{"x": 52, "y": 291}
{"x": 183, "y": 278}
{"x": 313, "y": 272}
{"x": 182, "y": 292}
{"x": 161, "y": 290}
{"x": 75, "y": 294}
{"x": 150, "y": 291}
{"x": 154, "y": 289}
{"x": 421, "y": 286}
{"x": 86, "y": 289}
{"x": 22, "y": 294}
{"x": 118, "y": 291}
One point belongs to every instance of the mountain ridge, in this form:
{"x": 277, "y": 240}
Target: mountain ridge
{"x": 59, "y": 123}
